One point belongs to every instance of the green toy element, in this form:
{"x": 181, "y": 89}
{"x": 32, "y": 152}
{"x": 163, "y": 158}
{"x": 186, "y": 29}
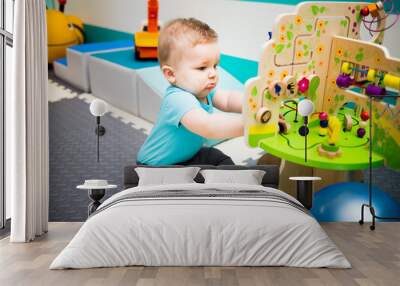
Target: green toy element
{"x": 315, "y": 10}
{"x": 289, "y": 35}
{"x": 311, "y": 66}
{"x": 290, "y": 146}
{"x": 358, "y": 14}
{"x": 267, "y": 95}
{"x": 254, "y": 91}
{"x": 360, "y": 55}
{"x": 329, "y": 147}
{"x": 312, "y": 89}
{"x": 279, "y": 48}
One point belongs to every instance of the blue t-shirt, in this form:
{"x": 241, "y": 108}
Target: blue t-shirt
{"x": 169, "y": 141}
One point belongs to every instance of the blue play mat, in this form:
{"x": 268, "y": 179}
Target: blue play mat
{"x": 342, "y": 202}
{"x": 103, "y": 46}
{"x": 97, "y": 47}
{"x": 125, "y": 58}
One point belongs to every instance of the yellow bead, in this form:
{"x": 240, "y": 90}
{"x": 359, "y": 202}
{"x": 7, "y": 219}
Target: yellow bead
{"x": 323, "y": 131}
{"x": 334, "y": 127}
{"x": 391, "y": 81}
{"x": 371, "y": 75}
{"x": 346, "y": 68}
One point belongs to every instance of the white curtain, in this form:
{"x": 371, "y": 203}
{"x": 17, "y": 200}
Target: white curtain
{"x": 27, "y": 158}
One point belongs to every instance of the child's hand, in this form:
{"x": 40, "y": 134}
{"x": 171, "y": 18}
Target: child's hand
{"x": 214, "y": 125}
{"x": 229, "y": 101}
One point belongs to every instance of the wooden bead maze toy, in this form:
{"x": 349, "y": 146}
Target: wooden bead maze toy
{"x": 316, "y": 54}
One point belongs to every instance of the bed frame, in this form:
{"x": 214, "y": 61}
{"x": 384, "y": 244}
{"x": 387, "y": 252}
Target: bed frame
{"x": 270, "y": 179}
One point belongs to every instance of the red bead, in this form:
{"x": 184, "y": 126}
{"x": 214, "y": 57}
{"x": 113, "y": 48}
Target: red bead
{"x": 364, "y": 116}
{"x": 364, "y": 12}
{"x": 323, "y": 116}
{"x": 303, "y": 85}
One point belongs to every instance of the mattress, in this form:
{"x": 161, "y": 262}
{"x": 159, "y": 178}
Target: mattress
{"x": 201, "y": 225}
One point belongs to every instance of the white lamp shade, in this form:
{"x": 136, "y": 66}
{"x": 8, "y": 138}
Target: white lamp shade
{"x": 305, "y": 107}
{"x": 98, "y": 107}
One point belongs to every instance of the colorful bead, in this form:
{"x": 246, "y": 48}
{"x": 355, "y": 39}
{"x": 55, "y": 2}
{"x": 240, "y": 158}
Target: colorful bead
{"x": 346, "y": 68}
{"x": 276, "y": 89}
{"x": 364, "y": 11}
{"x": 323, "y": 123}
{"x": 361, "y": 132}
{"x": 323, "y": 116}
{"x": 323, "y": 131}
{"x": 374, "y": 10}
{"x": 344, "y": 81}
{"x": 375, "y": 90}
{"x": 371, "y": 75}
{"x": 303, "y": 85}
{"x": 391, "y": 81}
{"x": 364, "y": 115}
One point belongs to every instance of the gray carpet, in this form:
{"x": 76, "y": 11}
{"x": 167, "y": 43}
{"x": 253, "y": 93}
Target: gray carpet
{"x": 73, "y": 156}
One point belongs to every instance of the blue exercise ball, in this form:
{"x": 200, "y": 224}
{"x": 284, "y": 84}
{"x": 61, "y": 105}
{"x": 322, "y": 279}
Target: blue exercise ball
{"x": 343, "y": 201}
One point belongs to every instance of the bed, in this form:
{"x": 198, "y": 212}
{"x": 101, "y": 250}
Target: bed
{"x": 201, "y": 224}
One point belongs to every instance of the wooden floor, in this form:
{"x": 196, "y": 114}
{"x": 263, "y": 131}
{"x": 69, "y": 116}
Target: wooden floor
{"x": 374, "y": 255}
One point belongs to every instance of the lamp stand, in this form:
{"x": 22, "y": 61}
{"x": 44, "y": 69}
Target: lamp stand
{"x": 369, "y": 205}
{"x": 305, "y": 137}
{"x": 100, "y": 131}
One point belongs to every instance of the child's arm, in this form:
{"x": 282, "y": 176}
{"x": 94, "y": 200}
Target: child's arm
{"x": 229, "y": 101}
{"x": 214, "y": 125}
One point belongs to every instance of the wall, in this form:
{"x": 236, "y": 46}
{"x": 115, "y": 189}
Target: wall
{"x": 242, "y": 25}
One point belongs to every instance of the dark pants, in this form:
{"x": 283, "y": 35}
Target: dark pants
{"x": 207, "y": 156}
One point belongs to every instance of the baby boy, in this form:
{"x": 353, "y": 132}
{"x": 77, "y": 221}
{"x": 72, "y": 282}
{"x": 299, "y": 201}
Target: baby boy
{"x": 189, "y": 55}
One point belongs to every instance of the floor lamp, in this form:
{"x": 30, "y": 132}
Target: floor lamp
{"x": 369, "y": 205}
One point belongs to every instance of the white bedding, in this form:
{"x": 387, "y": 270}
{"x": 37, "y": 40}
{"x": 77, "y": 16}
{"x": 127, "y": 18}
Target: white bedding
{"x": 186, "y": 230}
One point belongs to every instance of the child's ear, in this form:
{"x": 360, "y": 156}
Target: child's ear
{"x": 168, "y": 73}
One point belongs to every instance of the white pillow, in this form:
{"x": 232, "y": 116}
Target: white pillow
{"x": 248, "y": 177}
{"x": 163, "y": 176}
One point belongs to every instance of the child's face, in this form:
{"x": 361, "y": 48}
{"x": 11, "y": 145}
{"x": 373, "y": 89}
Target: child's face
{"x": 196, "y": 70}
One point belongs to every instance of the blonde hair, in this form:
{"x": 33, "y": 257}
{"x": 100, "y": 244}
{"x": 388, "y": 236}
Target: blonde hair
{"x": 182, "y": 31}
